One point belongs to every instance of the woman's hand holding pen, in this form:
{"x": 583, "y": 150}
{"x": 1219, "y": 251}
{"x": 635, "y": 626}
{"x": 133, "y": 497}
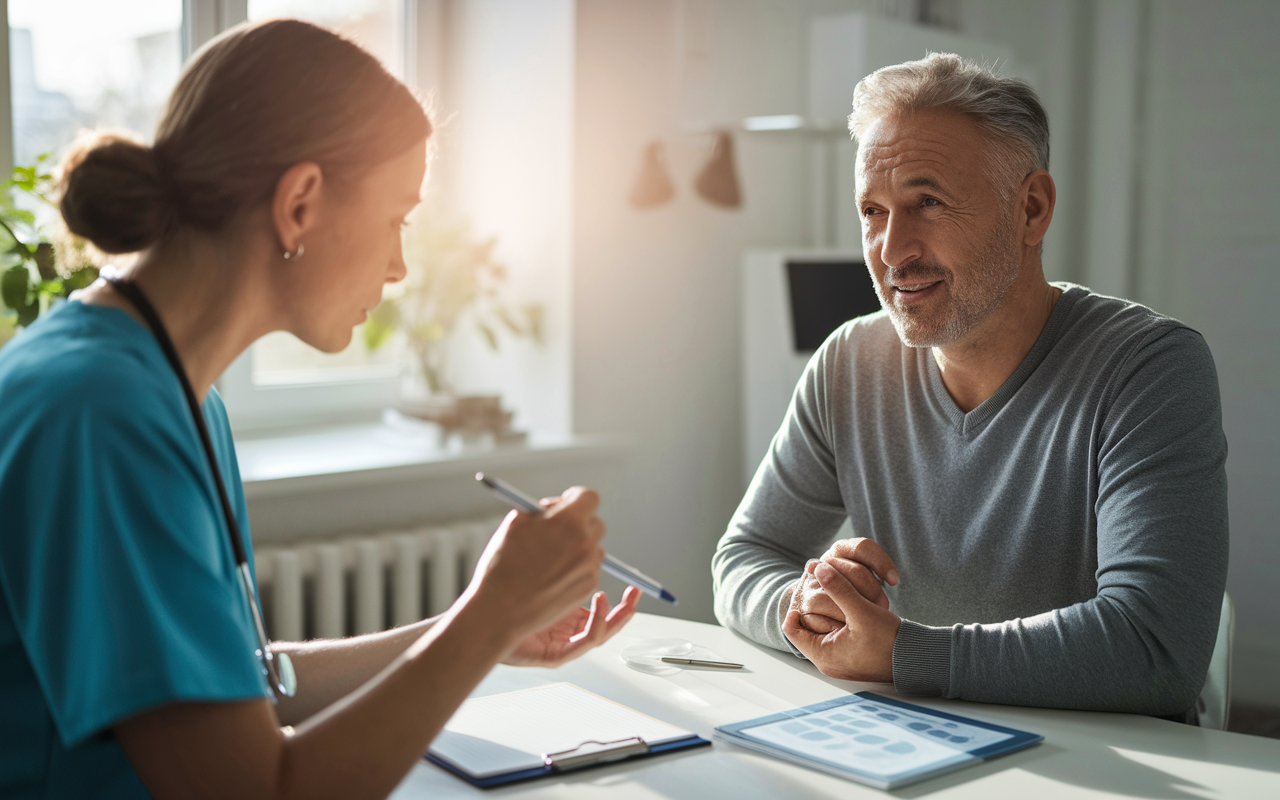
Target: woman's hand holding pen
{"x": 537, "y": 571}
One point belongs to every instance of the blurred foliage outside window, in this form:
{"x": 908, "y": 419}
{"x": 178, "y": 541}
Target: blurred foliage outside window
{"x": 40, "y": 261}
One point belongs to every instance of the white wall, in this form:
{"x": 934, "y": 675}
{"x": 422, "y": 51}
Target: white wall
{"x": 506, "y": 160}
{"x": 1206, "y": 249}
{"x": 656, "y": 291}
{"x": 1054, "y": 38}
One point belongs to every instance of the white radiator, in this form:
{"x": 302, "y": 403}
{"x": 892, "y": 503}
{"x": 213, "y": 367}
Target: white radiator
{"x": 362, "y": 583}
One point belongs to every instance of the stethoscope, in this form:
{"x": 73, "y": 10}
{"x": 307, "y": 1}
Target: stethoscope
{"x": 277, "y": 668}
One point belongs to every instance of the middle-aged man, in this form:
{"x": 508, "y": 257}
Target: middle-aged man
{"x": 1034, "y": 471}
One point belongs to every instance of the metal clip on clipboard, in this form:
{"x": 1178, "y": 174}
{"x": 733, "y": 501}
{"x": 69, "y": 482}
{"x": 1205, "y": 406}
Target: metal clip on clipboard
{"x": 592, "y": 752}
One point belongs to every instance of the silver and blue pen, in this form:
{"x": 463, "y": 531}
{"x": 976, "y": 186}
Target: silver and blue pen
{"x": 628, "y": 574}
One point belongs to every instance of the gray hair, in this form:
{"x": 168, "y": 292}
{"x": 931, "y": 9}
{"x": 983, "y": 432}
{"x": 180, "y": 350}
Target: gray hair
{"x": 1006, "y": 110}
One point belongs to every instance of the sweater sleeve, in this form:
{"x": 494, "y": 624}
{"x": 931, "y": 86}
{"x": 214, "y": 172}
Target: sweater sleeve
{"x": 790, "y": 513}
{"x": 1144, "y": 642}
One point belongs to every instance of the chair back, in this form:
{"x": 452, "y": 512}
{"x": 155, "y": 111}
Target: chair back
{"x": 1214, "y": 703}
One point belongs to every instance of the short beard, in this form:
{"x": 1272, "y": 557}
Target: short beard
{"x": 986, "y": 282}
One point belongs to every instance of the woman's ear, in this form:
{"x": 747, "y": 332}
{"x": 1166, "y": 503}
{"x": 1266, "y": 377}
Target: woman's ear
{"x": 295, "y": 208}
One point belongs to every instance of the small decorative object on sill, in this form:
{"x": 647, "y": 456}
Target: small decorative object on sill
{"x": 472, "y": 422}
{"x": 40, "y": 261}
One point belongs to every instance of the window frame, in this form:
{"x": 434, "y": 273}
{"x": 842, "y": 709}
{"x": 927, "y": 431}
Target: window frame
{"x": 254, "y": 406}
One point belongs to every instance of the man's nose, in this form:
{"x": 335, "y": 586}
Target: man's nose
{"x": 900, "y": 242}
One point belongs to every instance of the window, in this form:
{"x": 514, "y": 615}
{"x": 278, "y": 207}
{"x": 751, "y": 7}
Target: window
{"x": 78, "y": 64}
{"x": 82, "y": 64}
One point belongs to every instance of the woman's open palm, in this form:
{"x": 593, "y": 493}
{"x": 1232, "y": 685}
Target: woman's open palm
{"x": 576, "y": 632}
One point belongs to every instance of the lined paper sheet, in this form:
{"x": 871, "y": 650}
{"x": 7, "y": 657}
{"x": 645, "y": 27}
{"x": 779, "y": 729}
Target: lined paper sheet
{"x": 508, "y": 732}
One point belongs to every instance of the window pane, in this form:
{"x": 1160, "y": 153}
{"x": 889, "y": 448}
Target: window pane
{"x": 280, "y": 358}
{"x": 82, "y": 63}
{"x": 375, "y": 24}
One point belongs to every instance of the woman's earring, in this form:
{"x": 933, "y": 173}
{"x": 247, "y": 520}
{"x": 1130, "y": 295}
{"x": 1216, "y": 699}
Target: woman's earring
{"x": 296, "y": 254}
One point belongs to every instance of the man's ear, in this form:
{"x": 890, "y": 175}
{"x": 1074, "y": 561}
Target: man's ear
{"x": 1038, "y": 197}
{"x": 295, "y": 207}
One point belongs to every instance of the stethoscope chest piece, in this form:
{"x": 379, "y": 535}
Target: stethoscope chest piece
{"x": 277, "y": 668}
{"x": 288, "y": 678}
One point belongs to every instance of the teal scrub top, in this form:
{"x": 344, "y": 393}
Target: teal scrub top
{"x": 117, "y": 584}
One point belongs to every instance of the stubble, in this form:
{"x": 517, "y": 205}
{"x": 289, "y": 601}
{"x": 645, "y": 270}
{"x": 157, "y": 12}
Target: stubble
{"x": 969, "y": 300}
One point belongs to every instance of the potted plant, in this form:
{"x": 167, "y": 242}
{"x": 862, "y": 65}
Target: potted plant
{"x": 453, "y": 285}
{"x": 40, "y": 261}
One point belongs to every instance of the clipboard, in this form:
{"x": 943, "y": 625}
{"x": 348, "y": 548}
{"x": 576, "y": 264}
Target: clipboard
{"x": 556, "y": 728}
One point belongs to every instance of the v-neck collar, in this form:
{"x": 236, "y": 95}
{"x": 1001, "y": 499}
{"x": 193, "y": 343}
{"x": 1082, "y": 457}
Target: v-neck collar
{"x": 970, "y": 422}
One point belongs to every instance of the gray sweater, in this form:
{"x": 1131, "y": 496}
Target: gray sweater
{"x": 1063, "y": 544}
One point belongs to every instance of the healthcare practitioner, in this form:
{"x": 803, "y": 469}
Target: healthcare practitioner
{"x": 132, "y": 661}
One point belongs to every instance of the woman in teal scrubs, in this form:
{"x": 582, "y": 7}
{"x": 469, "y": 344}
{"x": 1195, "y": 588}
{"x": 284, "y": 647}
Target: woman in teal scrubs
{"x": 272, "y": 199}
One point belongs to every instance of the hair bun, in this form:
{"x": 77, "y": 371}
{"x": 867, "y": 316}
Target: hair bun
{"x": 114, "y": 193}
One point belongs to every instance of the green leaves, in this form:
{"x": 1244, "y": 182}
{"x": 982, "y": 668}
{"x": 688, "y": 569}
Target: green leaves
{"x": 17, "y": 291}
{"x": 34, "y": 180}
{"x": 37, "y": 267}
{"x": 380, "y": 325}
{"x": 453, "y": 283}
{"x": 21, "y": 215}
{"x": 43, "y": 258}
{"x": 8, "y": 326}
{"x": 79, "y": 278}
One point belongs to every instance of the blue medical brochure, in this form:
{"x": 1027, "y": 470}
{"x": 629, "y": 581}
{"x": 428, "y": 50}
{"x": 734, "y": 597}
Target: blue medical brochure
{"x": 876, "y": 740}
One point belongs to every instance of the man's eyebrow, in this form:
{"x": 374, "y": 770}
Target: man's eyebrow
{"x": 926, "y": 182}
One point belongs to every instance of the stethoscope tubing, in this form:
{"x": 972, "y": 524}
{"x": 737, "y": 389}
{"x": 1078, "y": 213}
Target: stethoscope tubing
{"x": 277, "y": 668}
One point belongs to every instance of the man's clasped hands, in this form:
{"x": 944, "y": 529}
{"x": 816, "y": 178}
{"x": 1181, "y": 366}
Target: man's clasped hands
{"x": 839, "y": 615}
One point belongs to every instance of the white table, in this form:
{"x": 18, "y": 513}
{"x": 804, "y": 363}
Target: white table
{"x": 1084, "y": 754}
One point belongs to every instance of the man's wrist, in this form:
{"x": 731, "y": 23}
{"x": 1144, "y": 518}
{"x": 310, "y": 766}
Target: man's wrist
{"x": 922, "y": 659}
{"x": 784, "y": 605}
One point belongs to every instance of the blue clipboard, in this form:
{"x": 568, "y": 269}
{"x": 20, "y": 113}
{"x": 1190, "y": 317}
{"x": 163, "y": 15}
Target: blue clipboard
{"x": 571, "y": 761}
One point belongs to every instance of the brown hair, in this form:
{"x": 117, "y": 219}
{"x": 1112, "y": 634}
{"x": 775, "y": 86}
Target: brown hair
{"x": 251, "y": 104}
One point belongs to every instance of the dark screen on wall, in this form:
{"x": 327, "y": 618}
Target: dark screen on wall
{"x": 824, "y": 295}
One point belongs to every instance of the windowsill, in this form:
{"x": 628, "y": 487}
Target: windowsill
{"x": 347, "y": 456}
